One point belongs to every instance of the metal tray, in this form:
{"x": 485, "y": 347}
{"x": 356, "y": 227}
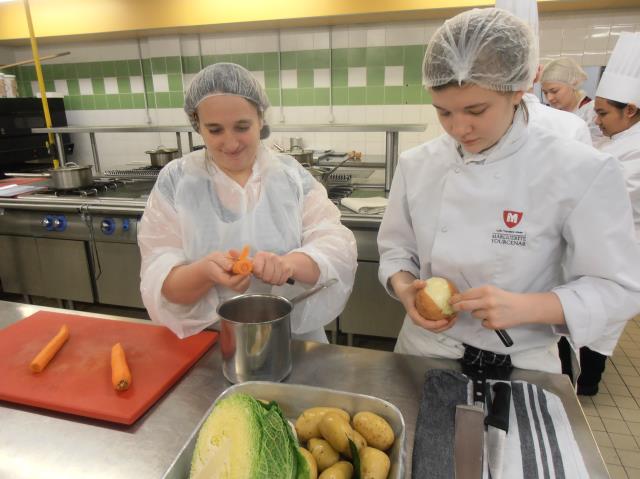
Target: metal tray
{"x": 295, "y": 398}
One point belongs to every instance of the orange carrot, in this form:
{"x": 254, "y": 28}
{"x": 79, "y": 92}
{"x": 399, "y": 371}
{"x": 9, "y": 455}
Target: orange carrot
{"x": 120, "y": 373}
{"x": 49, "y": 351}
{"x": 242, "y": 265}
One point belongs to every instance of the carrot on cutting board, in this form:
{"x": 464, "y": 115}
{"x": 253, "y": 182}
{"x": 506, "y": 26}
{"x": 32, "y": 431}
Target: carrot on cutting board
{"x": 242, "y": 265}
{"x": 120, "y": 373}
{"x": 49, "y": 351}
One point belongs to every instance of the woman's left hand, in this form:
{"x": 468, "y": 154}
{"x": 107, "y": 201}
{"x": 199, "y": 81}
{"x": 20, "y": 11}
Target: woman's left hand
{"x": 271, "y": 268}
{"x": 500, "y": 309}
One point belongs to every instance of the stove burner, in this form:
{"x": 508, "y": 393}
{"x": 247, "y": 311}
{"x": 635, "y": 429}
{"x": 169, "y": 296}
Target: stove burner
{"x": 142, "y": 172}
{"x": 98, "y": 185}
{"x": 336, "y": 193}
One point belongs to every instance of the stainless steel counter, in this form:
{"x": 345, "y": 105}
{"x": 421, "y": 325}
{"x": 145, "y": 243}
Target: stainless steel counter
{"x": 37, "y": 443}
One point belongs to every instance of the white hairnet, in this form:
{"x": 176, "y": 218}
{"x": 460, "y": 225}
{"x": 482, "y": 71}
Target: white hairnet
{"x": 564, "y": 70}
{"x": 225, "y": 79}
{"x": 490, "y": 48}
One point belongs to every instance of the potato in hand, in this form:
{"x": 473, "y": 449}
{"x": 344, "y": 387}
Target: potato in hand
{"x": 432, "y": 302}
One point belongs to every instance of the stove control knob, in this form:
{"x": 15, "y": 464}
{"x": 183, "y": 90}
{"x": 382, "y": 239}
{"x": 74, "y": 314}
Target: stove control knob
{"x": 108, "y": 226}
{"x": 60, "y": 223}
{"x": 47, "y": 222}
{"x": 125, "y": 224}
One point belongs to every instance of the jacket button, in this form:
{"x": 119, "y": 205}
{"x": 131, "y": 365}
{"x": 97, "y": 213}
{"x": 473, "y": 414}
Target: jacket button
{"x": 457, "y": 170}
{"x": 444, "y": 229}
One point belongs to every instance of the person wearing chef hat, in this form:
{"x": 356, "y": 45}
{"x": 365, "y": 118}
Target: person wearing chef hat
{"x": 617, "y": 111}
{"x": 561, "y": 80}
{"x": 235, "y": 193}
{"x": 560, "y": 122}
{"x": 515, "y": 216}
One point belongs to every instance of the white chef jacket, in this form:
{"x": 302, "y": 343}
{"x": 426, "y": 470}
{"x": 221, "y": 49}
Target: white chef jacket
{"x": 587, "y": 113}
{"x": 195, "y": 209}
{"x": 519, "y": 216}
{"x": 624, "y": 146}
{"x": 562, "y": 123}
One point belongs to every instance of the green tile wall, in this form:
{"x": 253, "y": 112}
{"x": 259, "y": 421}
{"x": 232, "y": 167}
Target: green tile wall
{"x": 339, "y": 60}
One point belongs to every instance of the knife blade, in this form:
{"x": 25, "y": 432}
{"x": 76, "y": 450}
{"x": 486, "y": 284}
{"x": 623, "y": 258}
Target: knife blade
{"x": 468, "y": 442}
{"x": 497, "y": 422}
{"x": 502, "y": 334}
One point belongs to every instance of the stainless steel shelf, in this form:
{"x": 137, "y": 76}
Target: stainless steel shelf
{"x": 320, "y": 127}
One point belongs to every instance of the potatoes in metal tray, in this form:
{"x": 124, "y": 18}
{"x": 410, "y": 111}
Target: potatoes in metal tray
{"x": 327, "y": 431}
{"x": 340, "y": 470}
{"x": 376, "y": 431}
{"x": 307, "y": 423}
{"x": 374, "y": 464}
{"x": 323, "y": 453}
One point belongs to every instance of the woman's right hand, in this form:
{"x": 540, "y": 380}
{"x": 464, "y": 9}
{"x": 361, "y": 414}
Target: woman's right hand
{"x": 406, "y": 287}
{"x": 218, "y": 266}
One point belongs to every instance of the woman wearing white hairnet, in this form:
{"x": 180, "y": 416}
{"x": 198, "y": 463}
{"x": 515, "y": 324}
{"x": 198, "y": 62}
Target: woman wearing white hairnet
{"x": 506, "y": 211}
{"x": 235, "y": 192}
{"x": 561, "y": 80}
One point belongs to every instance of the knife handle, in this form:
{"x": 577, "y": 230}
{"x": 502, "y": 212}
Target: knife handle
{"x": 504, "y": 337}
{"x": 499, "y": 414}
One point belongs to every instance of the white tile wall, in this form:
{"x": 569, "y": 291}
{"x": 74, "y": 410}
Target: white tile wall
{"x": 289, "y": 78}
{"x": 137, "y": 85}
{"x": 587, "y": 36}
{"x": 86, "y": 87}
{"x": 160, "y": 82}
{"x": 393, "y": 75}
{"x": 61, "y": 86}
{"x": 357, "y": 76}
{"x": 259, "y": 75}
{"x": 321, "y": 78}
{"x": 111, "y": 85}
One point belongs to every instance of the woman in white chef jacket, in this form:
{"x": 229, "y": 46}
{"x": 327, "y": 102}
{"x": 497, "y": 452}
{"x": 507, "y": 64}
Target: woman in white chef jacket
{"x": 236, "y": 192}
{"x": 561, "y": 80}
{"x": 560, "y": 122}
{"x": 618, "y": 117}
{"x": 507, "y": 207}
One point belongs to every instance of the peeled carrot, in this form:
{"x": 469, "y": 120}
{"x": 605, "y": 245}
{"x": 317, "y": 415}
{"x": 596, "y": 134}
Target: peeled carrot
{"x": 120, "y": 373}
{"x": 49, "y": 351}
{"x": 243, "y": 265}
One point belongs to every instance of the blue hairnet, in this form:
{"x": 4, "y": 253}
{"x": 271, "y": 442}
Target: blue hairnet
{"x": 491, "y": 48}
{"x": 225, "y": 79}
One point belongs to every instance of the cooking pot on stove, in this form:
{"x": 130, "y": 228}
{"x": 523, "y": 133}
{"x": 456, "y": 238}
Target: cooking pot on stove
{"x": 71, "y": 176}
{"x": 161, "y": 156}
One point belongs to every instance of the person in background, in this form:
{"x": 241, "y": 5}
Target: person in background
{"x": 208, "y": 204}
{"x": 618, "y": 117}
{"x": 560, "y": 122}
{"x": 561, "y": 80}
{"x": 503, "y": 209}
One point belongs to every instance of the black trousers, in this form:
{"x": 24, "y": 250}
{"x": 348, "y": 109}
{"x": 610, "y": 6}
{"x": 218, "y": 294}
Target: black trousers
{"x": 592, "y": 366}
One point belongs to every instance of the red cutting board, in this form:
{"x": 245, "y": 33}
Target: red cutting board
{"x": 78, "y": 378}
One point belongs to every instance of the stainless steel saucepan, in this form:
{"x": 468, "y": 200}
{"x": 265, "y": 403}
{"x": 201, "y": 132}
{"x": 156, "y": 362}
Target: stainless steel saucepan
{"x": 255, "y": 335}
{"x": 161, "y": 156}
{"x": 71, "y": 176}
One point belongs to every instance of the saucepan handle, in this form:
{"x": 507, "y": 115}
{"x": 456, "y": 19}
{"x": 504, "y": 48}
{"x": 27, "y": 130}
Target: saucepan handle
{"x": 313, "y": 290}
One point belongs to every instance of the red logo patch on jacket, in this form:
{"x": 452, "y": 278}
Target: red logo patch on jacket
{"x": 511, "y": 218}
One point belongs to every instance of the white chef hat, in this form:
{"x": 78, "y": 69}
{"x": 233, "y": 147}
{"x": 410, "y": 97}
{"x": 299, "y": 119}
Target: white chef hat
{"x": 525, "y": 10}
{"x": 621, "y": 78}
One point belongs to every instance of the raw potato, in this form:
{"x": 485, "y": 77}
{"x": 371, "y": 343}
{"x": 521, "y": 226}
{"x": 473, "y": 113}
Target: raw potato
{"x": 307, "y": 423}
{"x": 374, "y": 464}
{"x": 324, "y": 455}
{"x": 313, "y": 467}
{"x": 432, "y": 302}
{"x": 376, "y": 431}
{"x": 340, "y": 470}
{"x": 336, "y": 431}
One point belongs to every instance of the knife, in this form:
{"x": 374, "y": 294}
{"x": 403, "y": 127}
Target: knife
{"x": 497, "y": 422}
{"x": 468, "y": 442}
{"x": 502, "y": 334}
